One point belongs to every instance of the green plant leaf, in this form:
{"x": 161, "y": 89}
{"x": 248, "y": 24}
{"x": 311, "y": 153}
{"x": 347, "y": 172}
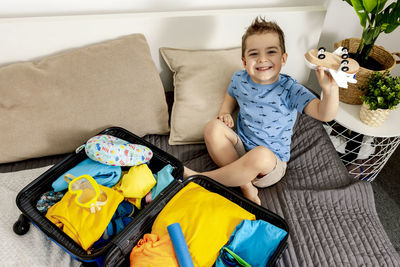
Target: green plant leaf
{"x": 382, "y": 91}
{"x": 381, "y": 4}
{"x": 370, "y": 35}
{"x": 359, "y": 8}
{"x": 391, "y": 16}
{"x": 348, "y": 2}
{"x": 390, "y": 28}
{"x": 369, "y": 5}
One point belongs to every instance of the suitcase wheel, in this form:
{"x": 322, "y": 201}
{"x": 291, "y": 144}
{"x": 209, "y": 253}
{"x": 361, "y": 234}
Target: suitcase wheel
{"x": 21, "y": 226}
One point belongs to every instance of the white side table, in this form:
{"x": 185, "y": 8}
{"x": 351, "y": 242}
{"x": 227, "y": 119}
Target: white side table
{"x": 363, "y": 149}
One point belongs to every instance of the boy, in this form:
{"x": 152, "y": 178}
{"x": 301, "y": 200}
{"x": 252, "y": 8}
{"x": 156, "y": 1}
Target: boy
{"x": 257, "y": 153}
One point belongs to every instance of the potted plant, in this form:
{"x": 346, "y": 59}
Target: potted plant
{"x": 376, "y": 17}
{"x": 381, "y": 95}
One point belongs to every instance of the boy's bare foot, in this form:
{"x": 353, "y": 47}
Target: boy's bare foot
{"x": 251, "y": 193}
{"x": 188, "y": 172}
{"x": 249, "y": 190}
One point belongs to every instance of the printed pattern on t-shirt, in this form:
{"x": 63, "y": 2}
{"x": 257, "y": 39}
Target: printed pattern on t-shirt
{"x": 268, "y": 112}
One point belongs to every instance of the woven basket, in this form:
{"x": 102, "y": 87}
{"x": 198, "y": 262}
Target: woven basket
{"x": 351, "y": 95}
{"x": 373, "y": 118}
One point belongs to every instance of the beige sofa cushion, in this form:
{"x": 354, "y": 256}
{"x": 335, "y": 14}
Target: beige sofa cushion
{"x": 53, "y": 105}
{"x": 201, "y": 78}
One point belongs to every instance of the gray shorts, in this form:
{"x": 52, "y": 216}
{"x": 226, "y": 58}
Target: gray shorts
{"x": 269, "y": 179}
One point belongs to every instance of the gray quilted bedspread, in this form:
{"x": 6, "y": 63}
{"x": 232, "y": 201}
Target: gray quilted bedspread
{"x": 332, "y": 216}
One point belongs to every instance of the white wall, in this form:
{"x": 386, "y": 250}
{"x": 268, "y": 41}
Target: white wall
{"x": 18, "y": 8}
{"x": 341, "y": 21}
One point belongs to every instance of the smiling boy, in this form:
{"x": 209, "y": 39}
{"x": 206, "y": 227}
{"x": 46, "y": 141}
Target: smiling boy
{"x": 258, "y": 152}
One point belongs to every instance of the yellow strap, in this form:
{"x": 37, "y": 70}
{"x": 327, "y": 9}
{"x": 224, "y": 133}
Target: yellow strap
{"x": 69, "y": 177}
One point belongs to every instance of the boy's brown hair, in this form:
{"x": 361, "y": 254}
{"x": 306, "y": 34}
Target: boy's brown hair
{"x": 259, "y": 26}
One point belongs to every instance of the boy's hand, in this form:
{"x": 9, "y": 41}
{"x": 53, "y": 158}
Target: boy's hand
{"x": 227, "y": 119}
{"x": 325, "y": 80}
{"x": 326, "y": 108}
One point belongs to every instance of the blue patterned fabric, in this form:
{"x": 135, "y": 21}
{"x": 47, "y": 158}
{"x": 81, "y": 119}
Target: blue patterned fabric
{"x": 268, "y": 112}
{"x": 47, "y": 200}
{"x": 111, "y": 150}
{"x": 121, "y": 218}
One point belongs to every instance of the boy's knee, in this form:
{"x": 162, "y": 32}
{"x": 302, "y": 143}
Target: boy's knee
{"x": 263, "y": 158}
{"x": 212, "y": 129}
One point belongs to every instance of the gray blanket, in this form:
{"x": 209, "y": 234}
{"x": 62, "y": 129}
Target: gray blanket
{"x": 332, "y": 217}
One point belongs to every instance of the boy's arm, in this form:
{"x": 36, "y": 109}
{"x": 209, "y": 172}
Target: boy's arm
{"x": 228, "y": 106}
{"x": 325, "y": 109}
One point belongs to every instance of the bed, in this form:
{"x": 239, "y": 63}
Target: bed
{"x": 159, "y": 75}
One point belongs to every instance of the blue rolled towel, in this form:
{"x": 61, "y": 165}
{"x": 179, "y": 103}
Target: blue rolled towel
{"x": 103, "y": 174}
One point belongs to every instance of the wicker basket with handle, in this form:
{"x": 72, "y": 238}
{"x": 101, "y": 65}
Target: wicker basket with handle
{"x": 351, "y": 95}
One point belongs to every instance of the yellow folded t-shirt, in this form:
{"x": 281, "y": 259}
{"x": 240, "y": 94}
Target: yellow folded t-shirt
{"x": 78, "y": 222}
{"x": 207, "y": 220}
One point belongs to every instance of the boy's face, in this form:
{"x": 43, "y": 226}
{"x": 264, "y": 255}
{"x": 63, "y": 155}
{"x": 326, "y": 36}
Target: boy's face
{"x": 263, "y": 57}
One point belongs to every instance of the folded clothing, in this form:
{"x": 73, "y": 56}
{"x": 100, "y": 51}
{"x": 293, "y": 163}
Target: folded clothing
{"x": 83, "y": 226}
{"x": 121, "y": 218}
{"x": 153, "y": 250}
{"x": 47, "y": 200}
{"x": 254, "y": 242}
{"x": 164, "y": 178}
{"x": 135, "y": 184}
{"x": 207, "y": 220}
{"x": 103, "y": 174}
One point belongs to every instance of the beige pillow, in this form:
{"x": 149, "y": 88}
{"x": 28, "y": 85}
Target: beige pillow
{"x": 201, "y": 78}
{"x": 53, "y": 105}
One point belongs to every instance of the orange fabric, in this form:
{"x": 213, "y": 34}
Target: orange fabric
{"x": 153, "y": 251}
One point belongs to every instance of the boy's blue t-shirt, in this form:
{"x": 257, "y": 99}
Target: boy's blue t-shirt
{"x": 268, "y": 112}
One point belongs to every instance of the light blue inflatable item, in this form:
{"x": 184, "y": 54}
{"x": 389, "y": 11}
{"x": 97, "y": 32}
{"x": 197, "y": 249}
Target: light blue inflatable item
{"x": 103, "y": 174}
{"x": 253, "y": 241}
{"x": 164, "y": 178}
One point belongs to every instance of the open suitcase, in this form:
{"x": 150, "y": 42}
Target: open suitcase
{"x": 117, "y": 251}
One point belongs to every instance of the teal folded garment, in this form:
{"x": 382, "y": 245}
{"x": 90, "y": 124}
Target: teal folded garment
{"x": 103, "y": 174}
{"x": 164, "y": 178}
{"x": 252, "y": 243}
